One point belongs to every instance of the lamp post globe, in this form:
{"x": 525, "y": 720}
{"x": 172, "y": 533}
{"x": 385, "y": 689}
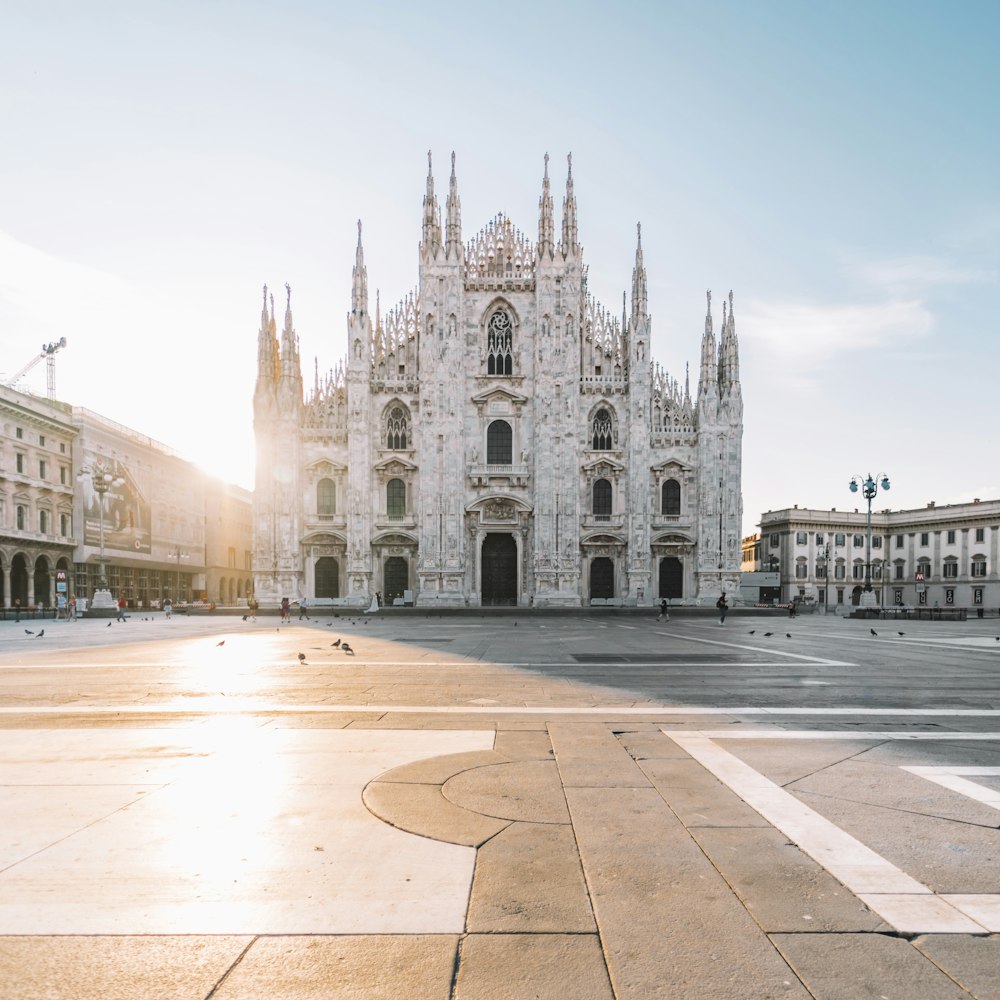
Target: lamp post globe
{"x": 869, "y": 487}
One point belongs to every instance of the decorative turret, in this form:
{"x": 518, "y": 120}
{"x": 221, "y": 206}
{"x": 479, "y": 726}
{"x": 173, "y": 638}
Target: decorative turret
{"x": 640, "y": 303}
{"x": 290, "y": 367}
{"x": 729, "y": 354}
{"x": 267, "y": 347}
{"x": 569, "y": 245}
{"x": 359, "y": 281}
{"x": 454, "y": 247}
{"x": 431, "y": 238}
{"x": 708, "y": 381}
{"x": 546, "y": 223}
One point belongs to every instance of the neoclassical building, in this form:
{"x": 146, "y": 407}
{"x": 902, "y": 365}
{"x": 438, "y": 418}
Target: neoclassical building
{"x": 498, "y": 437}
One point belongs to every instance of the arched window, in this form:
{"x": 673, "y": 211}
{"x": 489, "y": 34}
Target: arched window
{"x": 65, "y": 525}
{"x": 499, "y": 344}
{"x": 396, "y": 429}
{"x": 22, "y": 517}
{"x": 602, "y": 499}
{"x": 602, "y": 431}
{"x": 499, "y": 443}
{"x": 670, "y": 497}
{"x": 326, "y": 498}
{"x": 43, "y": 522}
{"x": 395, "y": 499}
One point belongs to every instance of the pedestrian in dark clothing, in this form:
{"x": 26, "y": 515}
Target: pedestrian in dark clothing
{"x": 664, "y": 615}
{"x": 723, "y": 608}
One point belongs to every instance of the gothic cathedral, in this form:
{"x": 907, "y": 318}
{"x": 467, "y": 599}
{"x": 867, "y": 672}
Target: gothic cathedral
{"x": 497, "y": 438}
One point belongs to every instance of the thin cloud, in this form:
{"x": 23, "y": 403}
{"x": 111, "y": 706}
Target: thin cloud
{"x": 919, "y": 274}
{"x": 808, "y": 335}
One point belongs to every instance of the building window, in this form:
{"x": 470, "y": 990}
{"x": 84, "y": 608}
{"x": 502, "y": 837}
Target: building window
{"x": 899, "y": 541}
{"x": 801, "y": 570}
{"x": 977, "y": 595}
{"x": 950, "y": 569}
{"x": 951, "y": 537}
{"x": 63, "y": 475}
{"x": 876, "y": 571}
{"x": 801, "y": 538}
{"x": 924, "y": 568}
{"x": 601, "y": 437}
{"x": 22, "y": 517}
{"x": 821, "y": 571}
{"x": 840, "y": 571}
{"x": 858, "y": 571}
{"x": 41, "y": 469}
{"x": 43, "y": 522}
{"x": 670, "y": 497}
{"x": 840, "y": 595}
{"x": 980, "y": 534}
{"x": 876, "y": 541}
{"x": 819, "y": 537}
{"x": 839, "y": 539}
{"x": 41, "y": 440}
{"x": 499, "y": 443}
{"x": 65, "y": 525}
{"x": 775, "y": 541}
{"x": 247, "y": 559}
{"x": 19, "y": 462}
{"x": 900, "y": 568}
{"x": 396, "y": 429}
{"x": 979, "y": 565}
{"x": 499, "y": 344}
{"x": 925, "y": 538}
{"x": 395, "y": 499}
{"x": 62, "y": 447}
{"x": 19, "y": 433}
{"x": 326, "y": 498}
{"x": 859, "y": 541}
{"x": 602, "y": 499}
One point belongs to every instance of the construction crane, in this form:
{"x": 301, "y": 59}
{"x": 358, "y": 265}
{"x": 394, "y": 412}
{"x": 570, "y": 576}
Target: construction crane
{"x": 49, "y": 354}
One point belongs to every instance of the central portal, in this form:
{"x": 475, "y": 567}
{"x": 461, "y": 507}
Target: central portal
{"x": 499, "y": 569}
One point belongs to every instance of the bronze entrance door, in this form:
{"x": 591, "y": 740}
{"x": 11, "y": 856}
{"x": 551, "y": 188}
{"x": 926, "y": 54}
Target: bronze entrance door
{"x": 395, "y": 578}
{"x": 671, "y": 577}
{"x": 602, "y": 577}
{"x": 499, "y": 570}
{"x": 327, "y": 577}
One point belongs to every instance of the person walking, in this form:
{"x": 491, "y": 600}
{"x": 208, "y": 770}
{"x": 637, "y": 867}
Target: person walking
{"x": 723, "y": 608}
{"x": 286, "y": 605}
{"x": 303, "y": 609}
{"x": 664, "y": 615}
{"x": 17, "y": 609}
{"x": 122, "y": 605}
{"x": 168, "y": 607}
{"x": 72, "y": 609}
{"x": 252, "y": 607}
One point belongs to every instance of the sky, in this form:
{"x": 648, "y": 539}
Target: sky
{"x": 834, "y": 165}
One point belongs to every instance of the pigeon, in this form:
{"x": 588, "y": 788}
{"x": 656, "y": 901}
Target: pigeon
{"x": 108, "y": 625}
{"x": 337, "y": 643}
{"x": 40, "y": 634}
{"x": 221, "y": 643}
{"x": 768, "y": 634}
{"x": 346, "y": 648}
{"x": 244, "y": 617}
{"x": 788, "y": 635}
{"x": 302, "y": 657}
{"x": 873, "y": 632}
{"x": 753, "y": 631}
{"x": 28, "y": 631}
{"x": 900, "y": 633}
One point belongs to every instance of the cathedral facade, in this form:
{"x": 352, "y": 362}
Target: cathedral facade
{"x": 497, "y": 438}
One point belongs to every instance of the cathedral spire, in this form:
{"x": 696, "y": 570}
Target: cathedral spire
{"x": 267, "y": 348}
{"x": 569, "y": 243}
{"x": 708, "y": 380}
{"x": 290, "y": 367}
{"x": 432, "y": 215}
{"x": 640, "y": 302}
{"x": 359, "y": 279}
{"x": 546, "y": 225}
{"x": 454, "y": 206}
{"x": 729, "y": 352}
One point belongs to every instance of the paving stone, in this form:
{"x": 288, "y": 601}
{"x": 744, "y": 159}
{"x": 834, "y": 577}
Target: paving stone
{"x": 437, "y": 770}
{"x": 784, "y": 763}
{"x": 972, "y": 961}
{"x": 650, "y": 745}
{"x": 643, "y": 869}
{"x": 589, "y": 755}
{"x": 532, "y": 967}
{"x": 865, "y": 967}
{"x": 784, "y": 889}
{"x": 383, "y": 967}
{"x": 527, "y": 790}
{"x": 709, "y": 805}
{"x": 524, "y": 745}
{"x": 423, "y": 810}
{"x": 529, "y": 878}
{"x": 114, "y": 968}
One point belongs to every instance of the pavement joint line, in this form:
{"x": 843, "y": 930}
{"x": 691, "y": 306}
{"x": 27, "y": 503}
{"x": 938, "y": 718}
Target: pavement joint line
{"x": 757, "y": 649}
{"x": 898, "y": 898}
{"x": 232, "y": 705}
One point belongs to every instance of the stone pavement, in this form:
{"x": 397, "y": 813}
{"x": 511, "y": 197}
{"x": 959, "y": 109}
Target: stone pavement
{"x": 472, "y": 809}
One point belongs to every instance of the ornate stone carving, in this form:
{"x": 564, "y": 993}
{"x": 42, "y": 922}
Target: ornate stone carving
{"x": 498, "y": 510}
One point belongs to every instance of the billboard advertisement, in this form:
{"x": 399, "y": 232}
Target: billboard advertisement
{"x": 126, "y": 511}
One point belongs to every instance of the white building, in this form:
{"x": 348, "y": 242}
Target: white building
{"x": 943, "y": 556}
{"x": 498, "y": 437}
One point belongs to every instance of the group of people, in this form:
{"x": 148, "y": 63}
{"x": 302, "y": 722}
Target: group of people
{"x": 721, "y": 604}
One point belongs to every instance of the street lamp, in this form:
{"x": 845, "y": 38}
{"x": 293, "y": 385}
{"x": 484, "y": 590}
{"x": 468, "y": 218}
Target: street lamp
{"x": 178, "y": 555}
{"x": 869, "y": 490}
{"x": 102, "y": 479}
